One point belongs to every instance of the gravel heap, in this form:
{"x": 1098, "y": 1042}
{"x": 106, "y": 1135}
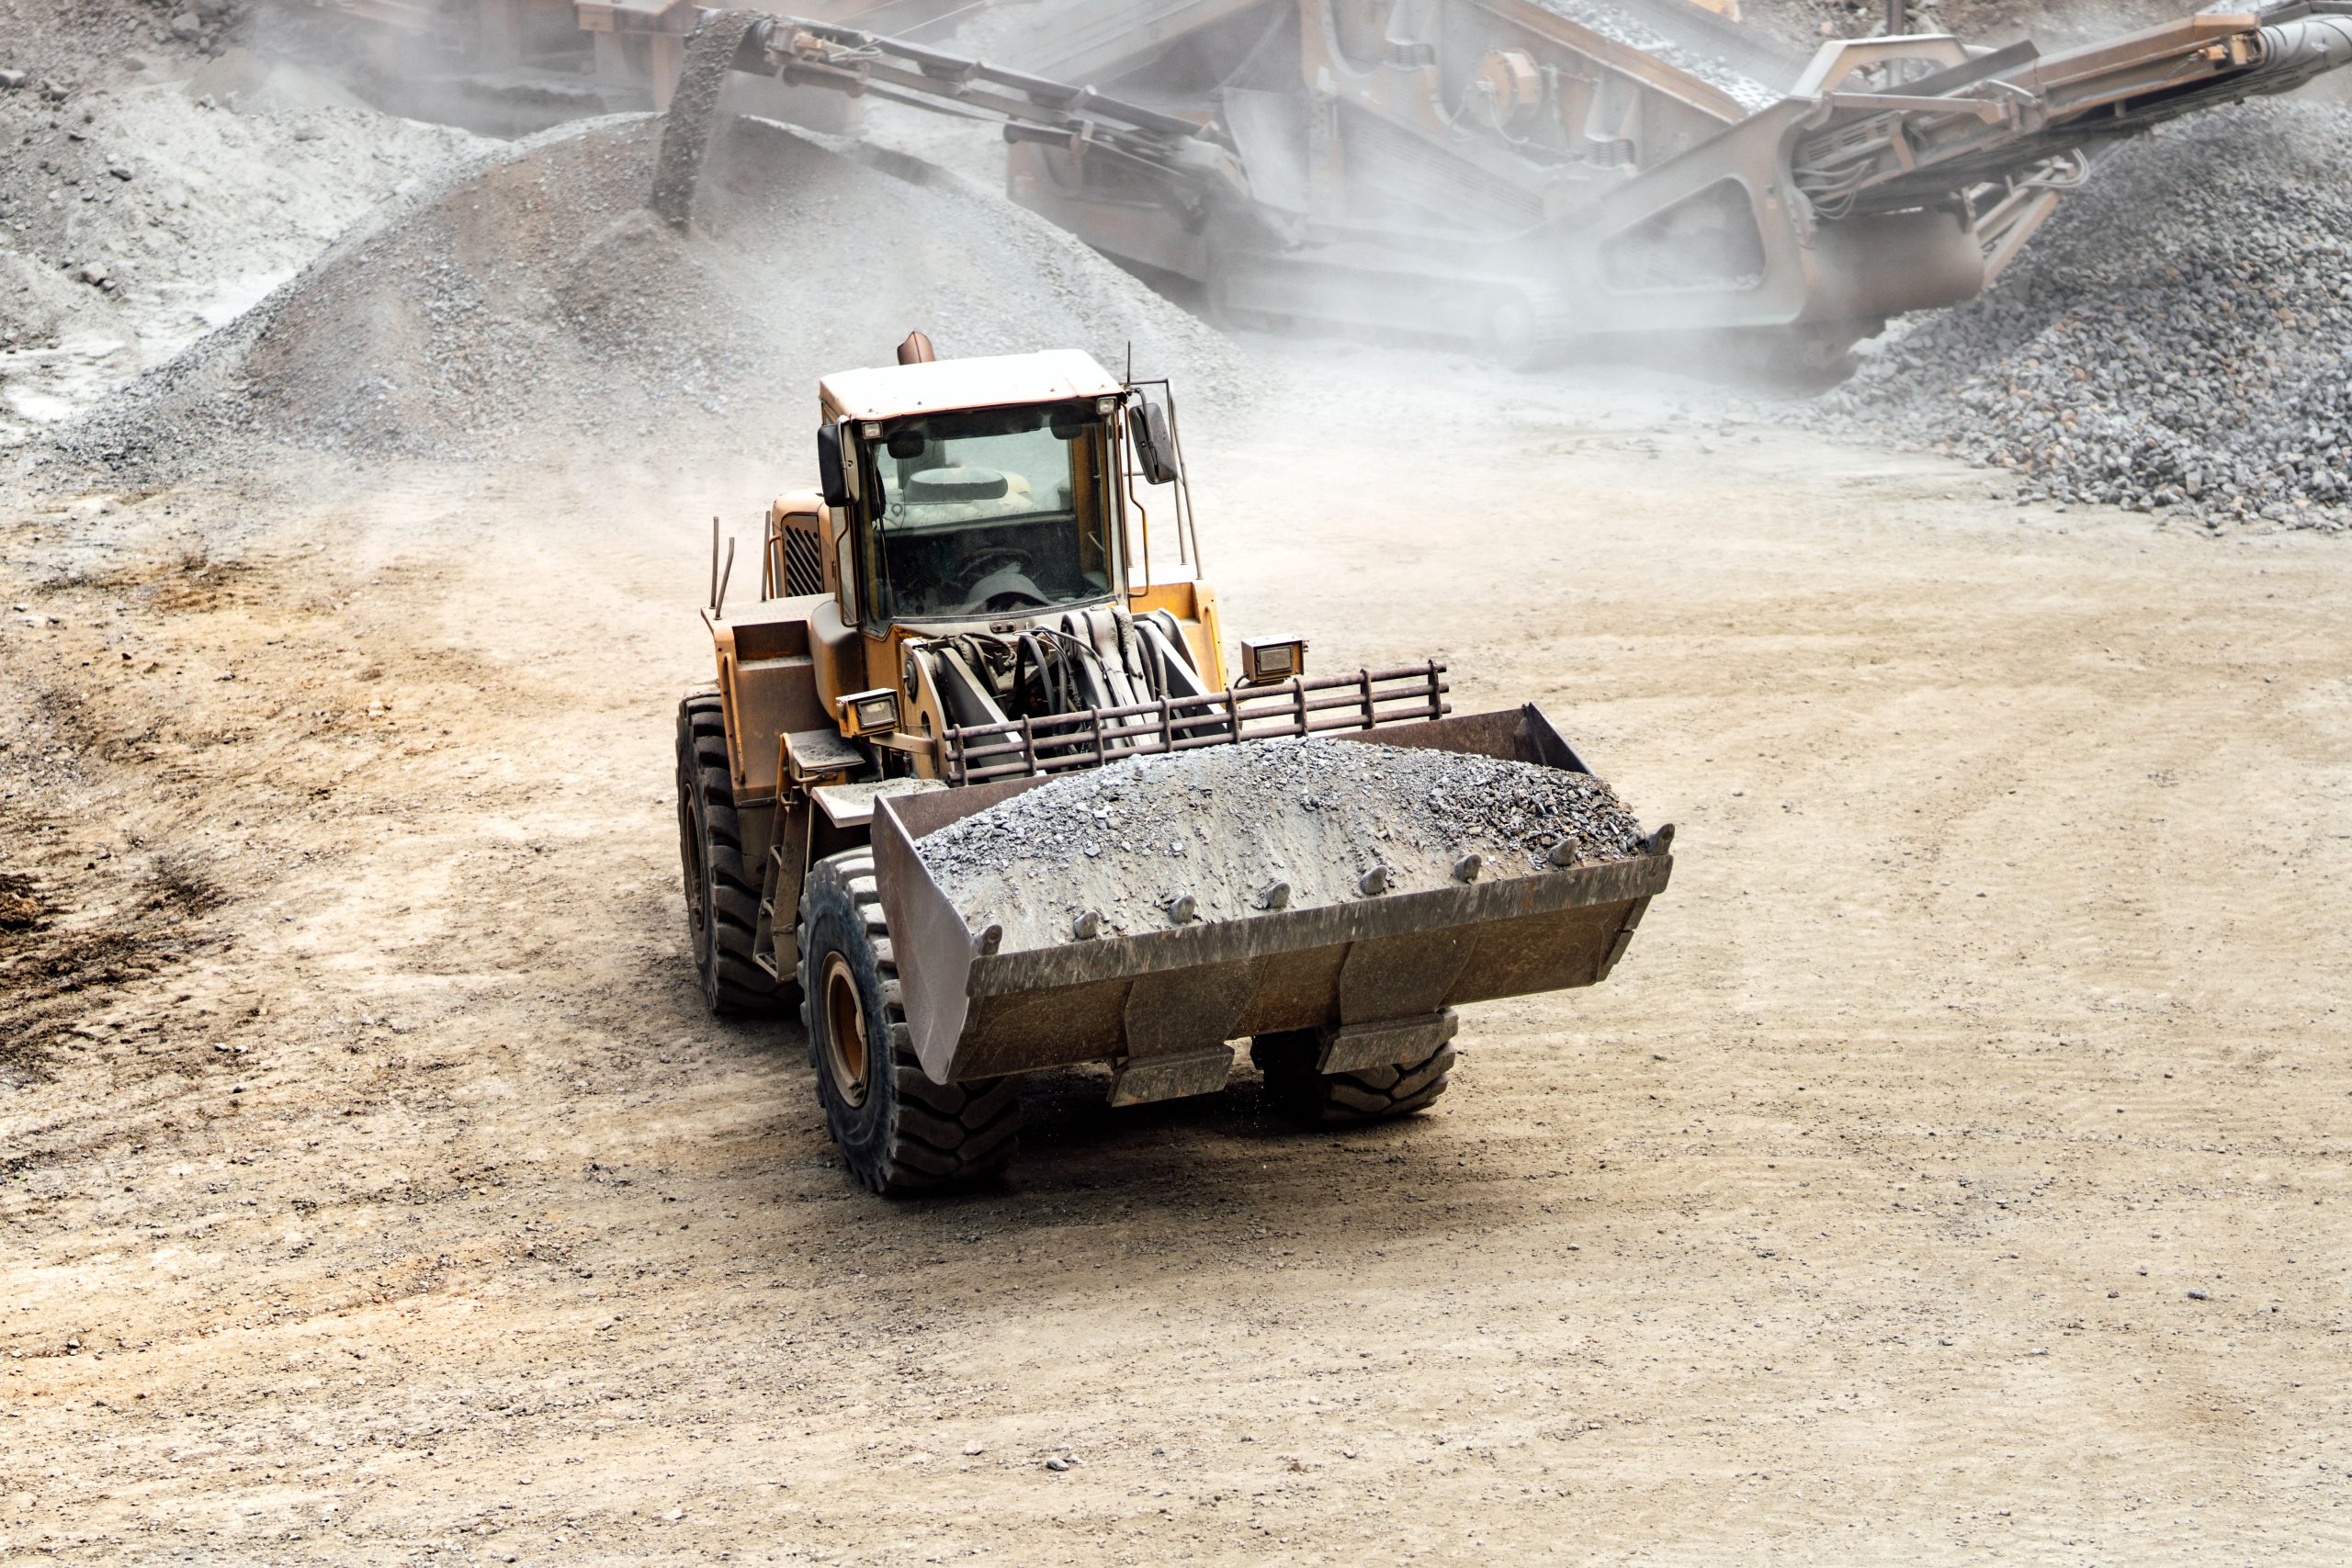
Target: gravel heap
{"x": 2053, "y": 24}
{"x": 535, "y": 302}
{"x": 2178, "y": 338}
{"x": 135, "y": 219}
{"x": 72, "y": 45}
{"x": 1626, "y": 28}
{"x": 1223, "y": 823}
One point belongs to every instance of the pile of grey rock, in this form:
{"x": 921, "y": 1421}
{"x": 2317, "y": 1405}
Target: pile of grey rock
{"x": 528, "y": 302}
{"x": 1230, "y": 831}
{"x": 203, "y": 23}
{"x": 1621, "y": 25}
{"x": 2177, "y": 339}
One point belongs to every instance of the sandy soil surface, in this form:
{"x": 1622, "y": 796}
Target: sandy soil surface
{"x": 1955, "y": 1170}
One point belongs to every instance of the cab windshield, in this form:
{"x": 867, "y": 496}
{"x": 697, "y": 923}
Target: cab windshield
{"x": 994, "y": 512}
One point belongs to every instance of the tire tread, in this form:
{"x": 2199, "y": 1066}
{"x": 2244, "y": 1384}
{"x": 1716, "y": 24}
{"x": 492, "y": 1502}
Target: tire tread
{"x": 733, "y": 981}
{"x": 1299, "y": 1092}
{"x": 939, "y": 1135}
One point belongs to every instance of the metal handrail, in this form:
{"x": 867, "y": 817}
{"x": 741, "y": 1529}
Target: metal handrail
{"x": 1094, "y": 736}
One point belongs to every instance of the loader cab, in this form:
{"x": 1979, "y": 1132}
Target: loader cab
{"x": 955, "y": 505}
{"x": 983, "y": 548}
{"x": 986, "y": 514}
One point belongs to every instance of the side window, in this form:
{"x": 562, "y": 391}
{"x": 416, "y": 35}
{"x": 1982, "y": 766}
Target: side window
{"x": 871, "y": 606}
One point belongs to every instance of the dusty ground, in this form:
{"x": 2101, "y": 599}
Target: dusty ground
{"x": 1955, "y": 1170}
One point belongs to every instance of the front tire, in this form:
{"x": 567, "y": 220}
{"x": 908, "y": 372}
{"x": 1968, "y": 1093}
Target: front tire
{"x": 1296, "y": 1092}
{"x": 722, "y": 892}
{"x": 898, "y": 1132}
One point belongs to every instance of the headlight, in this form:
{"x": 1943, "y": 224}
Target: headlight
{"x": 1266, "y": 662}
{"x": 869, "y": 713}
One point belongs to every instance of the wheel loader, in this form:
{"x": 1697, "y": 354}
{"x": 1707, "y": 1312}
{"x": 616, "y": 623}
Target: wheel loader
{"x": 973, "y": 604}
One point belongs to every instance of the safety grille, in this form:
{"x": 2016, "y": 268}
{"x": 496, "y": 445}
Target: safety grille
{"x": 1064, "y": 743}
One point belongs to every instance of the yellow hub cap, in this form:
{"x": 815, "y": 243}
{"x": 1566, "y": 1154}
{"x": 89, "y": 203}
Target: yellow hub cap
{"x": 845, "y": 1044}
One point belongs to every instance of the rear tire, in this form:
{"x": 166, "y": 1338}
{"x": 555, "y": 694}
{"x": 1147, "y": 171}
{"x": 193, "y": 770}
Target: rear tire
{"x": 722, "y": 892}
{"x": 898, "y": 1132}
{"x": 1296, "y": 1090}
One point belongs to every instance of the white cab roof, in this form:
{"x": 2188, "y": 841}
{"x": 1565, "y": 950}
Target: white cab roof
{"x": 991, "y": 382}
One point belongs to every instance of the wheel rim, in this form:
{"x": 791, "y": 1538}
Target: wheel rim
{"x": 845, "y": 1045}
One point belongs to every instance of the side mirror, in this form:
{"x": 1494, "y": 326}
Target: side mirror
{"x": 830, "y": 478}
{"x": 1155, "y": 453}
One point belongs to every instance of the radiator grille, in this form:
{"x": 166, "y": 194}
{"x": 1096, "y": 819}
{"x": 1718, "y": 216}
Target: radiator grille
{"x": 804, "y": 556}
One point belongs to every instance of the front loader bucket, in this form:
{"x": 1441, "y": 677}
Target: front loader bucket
{"x": 1400, "y": 959}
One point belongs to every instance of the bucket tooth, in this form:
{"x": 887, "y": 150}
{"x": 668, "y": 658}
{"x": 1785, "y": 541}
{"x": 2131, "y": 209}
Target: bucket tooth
{"x": 1360, "y": 1047}
{"x": 1140, "y": 1080}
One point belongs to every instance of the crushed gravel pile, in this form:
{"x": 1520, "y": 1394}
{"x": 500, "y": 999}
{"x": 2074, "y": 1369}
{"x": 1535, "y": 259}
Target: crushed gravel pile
{"x": 1225, "y": 823}
{"x": 2051, "y": 23}
{"x": 2178, "y": 338}
{"x": 1625, "y": 27}
{"x": 137, "y": 218}
{"x": 535, "y": 300}
{"x": 72, "y": 45}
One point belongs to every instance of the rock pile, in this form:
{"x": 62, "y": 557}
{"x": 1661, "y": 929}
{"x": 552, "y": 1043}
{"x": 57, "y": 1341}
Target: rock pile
{"x": 536, "y": 300}
{"x": 1622, "y": 26}
{"x": 2178, "y": 338}
{"x": 136, "y": 218}
{"x": 2051, "y": 23}
{"x": 1223, "y": 825}
{"x": 63, "y": 47}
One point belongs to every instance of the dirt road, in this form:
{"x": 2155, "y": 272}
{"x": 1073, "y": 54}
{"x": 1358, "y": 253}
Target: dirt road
{"x": 1955, "y": 1170}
